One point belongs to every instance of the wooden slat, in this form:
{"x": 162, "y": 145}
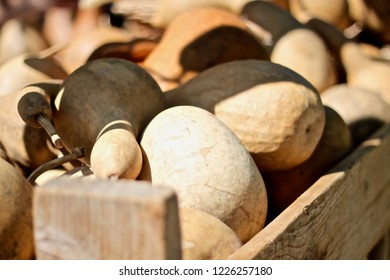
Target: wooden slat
{"x": 90, "y": 219}
{"x": 342, "y": 216}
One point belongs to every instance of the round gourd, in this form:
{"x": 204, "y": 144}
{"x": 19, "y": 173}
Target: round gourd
{"x": 275, "y": 112}
{"x": 102, "y": 107}
{"x": 204, "y": 237}
{"x": 192, "y": 151}
{"x": 16, "y": 229}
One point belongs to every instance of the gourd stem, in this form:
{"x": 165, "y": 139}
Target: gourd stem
{"x": 76, "y": 153}
{"x": 44, "y": 121}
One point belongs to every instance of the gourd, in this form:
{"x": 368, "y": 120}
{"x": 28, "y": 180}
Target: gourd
{"x": 204, "y": 237}
{"x": 199, "y": 39}
{"x": 190, "y": 150}
{"x": 102, "y": 107}
{"x": 283, "y": 187}
{"x": 362, "y": 110}
{"x": 16, "y": 233}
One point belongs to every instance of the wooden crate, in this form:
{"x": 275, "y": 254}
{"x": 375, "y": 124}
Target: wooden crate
{"x": 344, "y": 215}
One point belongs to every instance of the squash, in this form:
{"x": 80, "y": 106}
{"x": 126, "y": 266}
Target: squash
{"x": 16, "y": 228}
{"x": 362, "y": 110}
{"x": 102, "y": 107}
{"x": 190, "y": 150}
{"x": 204, "y": 237}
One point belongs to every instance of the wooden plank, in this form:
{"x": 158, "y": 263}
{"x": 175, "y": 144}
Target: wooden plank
{"x": 93, "y": 219}
{"x": 342, "y": 216}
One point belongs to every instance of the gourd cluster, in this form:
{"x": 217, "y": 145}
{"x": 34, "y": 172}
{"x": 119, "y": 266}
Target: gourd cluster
{"x": 239, "y": 106}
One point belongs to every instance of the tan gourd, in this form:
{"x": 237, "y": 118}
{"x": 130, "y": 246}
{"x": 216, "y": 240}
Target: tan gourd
{"x": 196, "y": 154}
{"x": 275, "y": 112}
{"x": 204, "y": 237}
{"x": 362, "y": 110}
{"x": 312, "y": 60}
{"x": 288, "y": 41}
{"x": 283, "y": 187}
{"x": 102, "y": 107}
{"x": 199, "y": 39}
{"x": 18, "y": 37}
{"x": 16, "y": 233}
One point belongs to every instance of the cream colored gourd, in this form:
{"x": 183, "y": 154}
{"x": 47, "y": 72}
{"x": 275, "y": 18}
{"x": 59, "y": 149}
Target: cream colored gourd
{"x": 192, "y": 151}
{"x": 205, "y": 237}
{"x": 16, "y": 233}
{"x": 198, "y": 39}
{"x": 283, "y": 187}
{"x": 362, "y": 110}
{"x": 311, "y": 60}
{"x": 102, "y": 107}
{"x": 275, "y": 112}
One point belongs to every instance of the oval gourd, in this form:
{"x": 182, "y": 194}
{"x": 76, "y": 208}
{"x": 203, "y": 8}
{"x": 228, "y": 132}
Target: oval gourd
{"x": 362, "y": 110}
{"x": 16, "y": 233}
{"x": 283, "y": 187}
{"x": 102, "y": 107}
{"x": 205, "y": 237}
{"x": 192, "y": 151}
{"x": 275, "y": 112}
{"x": 199, "y": 39}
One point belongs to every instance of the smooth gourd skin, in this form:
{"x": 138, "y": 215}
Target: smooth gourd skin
{"x": 100, "y": 92}
{"x": 16, "y": 229}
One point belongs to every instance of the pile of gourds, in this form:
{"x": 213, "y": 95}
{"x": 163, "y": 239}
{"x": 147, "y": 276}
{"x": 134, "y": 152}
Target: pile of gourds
{"x": 239, "y": 106}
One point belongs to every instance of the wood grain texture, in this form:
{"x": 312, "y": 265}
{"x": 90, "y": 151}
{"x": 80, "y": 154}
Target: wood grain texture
{"x": 96, "y": 219}
{"x": 342, "y": 216}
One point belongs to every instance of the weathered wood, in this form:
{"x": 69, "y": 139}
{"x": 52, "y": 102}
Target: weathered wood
{"x": 342, "y": 216}
{"x": 96, "y": 219}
